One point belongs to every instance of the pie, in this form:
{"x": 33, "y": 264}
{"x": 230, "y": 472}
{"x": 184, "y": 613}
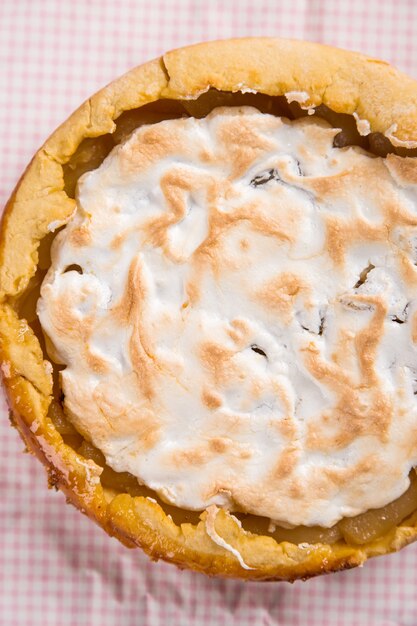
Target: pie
{"x": 208, "y": 312}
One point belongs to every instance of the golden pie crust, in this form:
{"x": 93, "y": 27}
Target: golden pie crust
{"x": 345, "y": 82}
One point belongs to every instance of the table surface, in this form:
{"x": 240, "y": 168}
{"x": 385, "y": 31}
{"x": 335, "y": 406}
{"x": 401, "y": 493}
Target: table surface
{"x": 56, "y": 567}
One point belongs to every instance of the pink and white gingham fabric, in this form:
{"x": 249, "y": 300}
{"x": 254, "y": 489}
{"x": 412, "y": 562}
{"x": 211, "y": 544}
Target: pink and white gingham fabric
{"x": 56, "y": 567}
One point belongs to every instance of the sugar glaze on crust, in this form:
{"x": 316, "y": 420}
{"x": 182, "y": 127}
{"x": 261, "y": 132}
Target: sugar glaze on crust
{"x": 242, "y": 332}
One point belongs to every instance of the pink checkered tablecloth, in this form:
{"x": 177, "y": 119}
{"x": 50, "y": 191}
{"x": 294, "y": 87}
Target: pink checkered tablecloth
{"x": 56, "y": 567}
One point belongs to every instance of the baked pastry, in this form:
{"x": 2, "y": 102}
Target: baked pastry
{"x": 208, "y": 308}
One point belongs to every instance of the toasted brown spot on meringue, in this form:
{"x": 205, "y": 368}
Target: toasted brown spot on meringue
{"x": 357, "y": 414}
{"x": 414, "y": 328}
{"x": 191, "y": 456}
{"x": 216, "y": 359}
{"x": 342, "y": 233}
{"x": 154, "y": 144}
{"x": 123, "y": 310}
{"x": 81, "y": 236}
{"x": 368, "y": 339}
{"x": 342, "y": 476}
{"x": 286, "y": 426}
{"x": 239, "y": 332}
{"x": 96, "y": 363}
{"x": 280, "y": 293}
{"x": 219, "y": 444}
{"x": 210, "y": 399}
{"x": 119, "y": 240}
{"x": 403, "y": 169}
{"x": 407, "y": 269}
{"x": 143, "y": 362}
{"x": 243, "y": 144}
{"x": 286, "y": 463}
{"x": 175, "y": 185}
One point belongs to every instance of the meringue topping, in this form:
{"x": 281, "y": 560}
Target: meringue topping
{"x": 235, "y": 303}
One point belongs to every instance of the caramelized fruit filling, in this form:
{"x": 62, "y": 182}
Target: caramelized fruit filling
{"x": 89, "y": 155}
